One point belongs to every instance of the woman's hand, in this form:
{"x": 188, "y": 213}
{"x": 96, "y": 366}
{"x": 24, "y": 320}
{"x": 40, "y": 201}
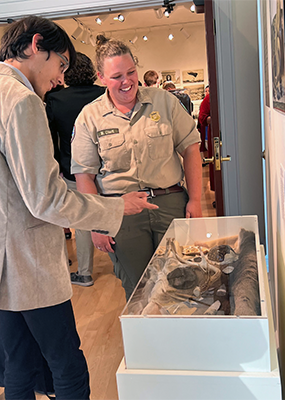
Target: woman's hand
{"x": 102, "y": 242}
{"x": 193, "y": 209}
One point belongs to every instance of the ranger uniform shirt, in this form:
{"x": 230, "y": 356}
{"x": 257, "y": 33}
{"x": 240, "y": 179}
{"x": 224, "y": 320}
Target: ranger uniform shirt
{"x": 133, "y": 153}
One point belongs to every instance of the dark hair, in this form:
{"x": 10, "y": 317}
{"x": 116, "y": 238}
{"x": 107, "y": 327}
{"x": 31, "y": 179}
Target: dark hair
{"x": 110, "y": 48}
{"x": 168, "y": 85}
{"x": 20, "y": 33}
{"x": 82, "y": 73}
{"x": 150, "y": 77}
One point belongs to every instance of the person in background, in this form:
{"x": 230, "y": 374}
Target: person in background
{"x": 207, "y": 90}
{"x": 204, "y": 123}
{"x": 62, "y": 109}
{"x": 151, "y": 79}
{"x": 67, "y": 231}
{"x": 36, "y": 315}
{"x": 129, "y": 139}
{"x": 182, "y": 96}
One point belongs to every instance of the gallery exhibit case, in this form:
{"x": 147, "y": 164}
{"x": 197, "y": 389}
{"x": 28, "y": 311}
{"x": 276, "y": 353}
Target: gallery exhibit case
{"x": 199, "y": 323}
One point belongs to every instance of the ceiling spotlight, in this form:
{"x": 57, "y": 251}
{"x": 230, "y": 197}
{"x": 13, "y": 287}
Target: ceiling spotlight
{"x": 120, "y": 18}
{"x": 133, "y": 40}
{"x": 158, "y": 13}
{"x": 170, "y": 36}
{"x": 145, "y": 38}
{"x": 193, "y": 8}
{"x": 77, "y": 31}
{"x": 168, "y": 7}
{"x": 100, "y": 19}
{"x": 185, "y": 33}
{"x": 85, "y": 37}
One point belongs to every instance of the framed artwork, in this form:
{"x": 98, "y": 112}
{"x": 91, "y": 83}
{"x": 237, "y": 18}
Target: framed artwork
{"x": 193, "y": 75}
{"x": 265, "y": 53}
{"x": 277, "y": 49}
{"x": 171, "y": 76}
{"x": 196, "y": 92}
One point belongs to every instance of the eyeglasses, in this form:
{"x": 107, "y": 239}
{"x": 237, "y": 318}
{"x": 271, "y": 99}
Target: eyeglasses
{"x": 65, "y": 64}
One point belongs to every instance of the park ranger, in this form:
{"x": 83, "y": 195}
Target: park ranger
{"x": 130, "y": 139}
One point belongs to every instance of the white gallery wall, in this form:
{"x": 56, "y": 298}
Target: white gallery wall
{"x": 274, "y": 132}
{"x": 158, "y": 52}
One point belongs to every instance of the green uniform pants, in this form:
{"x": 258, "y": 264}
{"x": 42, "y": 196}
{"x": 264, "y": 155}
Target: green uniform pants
{"x": 140, "y": 235}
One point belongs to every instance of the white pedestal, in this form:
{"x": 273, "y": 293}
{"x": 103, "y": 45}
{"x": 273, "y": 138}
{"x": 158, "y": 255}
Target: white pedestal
{"x": 196, "y": 385}
{"x": 202, "y": 357}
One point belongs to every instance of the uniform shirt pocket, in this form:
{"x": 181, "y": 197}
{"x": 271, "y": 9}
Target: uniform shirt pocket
{"x": 159, "y": 139}
{"x": 114, "y": 152}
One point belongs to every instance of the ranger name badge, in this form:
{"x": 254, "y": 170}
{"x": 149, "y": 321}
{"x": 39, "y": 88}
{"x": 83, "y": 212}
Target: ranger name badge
{"x": 106, "y": 132}
{"x": 154, "y": 116}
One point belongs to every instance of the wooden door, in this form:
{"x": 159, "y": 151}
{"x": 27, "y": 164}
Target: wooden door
{"x": 215, "y": 128}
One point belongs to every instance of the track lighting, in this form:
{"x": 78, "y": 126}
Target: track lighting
{"x": 158, "y": 13}
{"x": 99, "y": 20}
{"x": 77, "y": 31}
{"x": 120, "y": 18}
{"x": 92, "y": 40}
{"x": 185, "y": 33}
{"x": 168, "y": 7}
{"x": 85, "y": 36}
{"x": 133, "y": 40}
{"x": 7, "y": 21}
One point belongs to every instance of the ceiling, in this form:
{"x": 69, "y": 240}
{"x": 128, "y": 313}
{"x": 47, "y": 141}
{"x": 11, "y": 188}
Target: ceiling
{"x": 135, "y": 20}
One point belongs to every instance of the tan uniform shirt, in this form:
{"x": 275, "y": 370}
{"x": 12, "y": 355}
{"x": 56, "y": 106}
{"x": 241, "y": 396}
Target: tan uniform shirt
{"x": 131, "y": 154}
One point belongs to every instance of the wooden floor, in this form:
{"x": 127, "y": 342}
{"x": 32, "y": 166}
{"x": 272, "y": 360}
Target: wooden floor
{"x": 97, "y": 309}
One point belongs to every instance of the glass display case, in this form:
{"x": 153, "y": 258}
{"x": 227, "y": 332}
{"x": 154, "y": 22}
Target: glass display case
{"x": 200, "y": 304}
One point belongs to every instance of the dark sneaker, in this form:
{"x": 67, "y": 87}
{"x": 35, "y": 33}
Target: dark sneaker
{"x": 82, "y": 280}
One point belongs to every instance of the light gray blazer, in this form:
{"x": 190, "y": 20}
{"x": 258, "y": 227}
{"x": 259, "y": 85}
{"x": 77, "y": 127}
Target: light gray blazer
{"x": 35, "y": 203}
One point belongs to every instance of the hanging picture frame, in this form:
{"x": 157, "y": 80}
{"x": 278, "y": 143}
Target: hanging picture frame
{"x": 277, "y": 53}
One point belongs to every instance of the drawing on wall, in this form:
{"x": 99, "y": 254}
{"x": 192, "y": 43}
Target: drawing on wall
{"x": 196, "y": 92}
{"x": 171, "y": 76}
{"x": 193, "y": 75}
{"x": 277, "y": 48}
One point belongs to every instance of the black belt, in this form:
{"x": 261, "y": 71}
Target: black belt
{"x": 152, "y": 192}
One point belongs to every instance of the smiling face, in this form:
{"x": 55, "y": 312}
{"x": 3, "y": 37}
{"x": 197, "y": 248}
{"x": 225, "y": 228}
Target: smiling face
{"x": 121, "y": 78}
{"x": 46, "y": 74}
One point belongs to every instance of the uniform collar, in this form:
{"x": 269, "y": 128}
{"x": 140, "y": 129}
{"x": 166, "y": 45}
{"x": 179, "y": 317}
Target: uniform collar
{"x": 10, "y": 70}
{"x": 142, "y": 98}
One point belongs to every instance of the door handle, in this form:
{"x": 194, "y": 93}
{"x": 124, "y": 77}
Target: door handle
{"x": 228, "y": 158}
{"x": 208, "y": 160}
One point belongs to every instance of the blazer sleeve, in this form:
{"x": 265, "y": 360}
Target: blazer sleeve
{"x": 29, "y": 155}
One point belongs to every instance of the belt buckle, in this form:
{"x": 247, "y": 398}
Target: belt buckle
{"x": 149, "y": 192}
